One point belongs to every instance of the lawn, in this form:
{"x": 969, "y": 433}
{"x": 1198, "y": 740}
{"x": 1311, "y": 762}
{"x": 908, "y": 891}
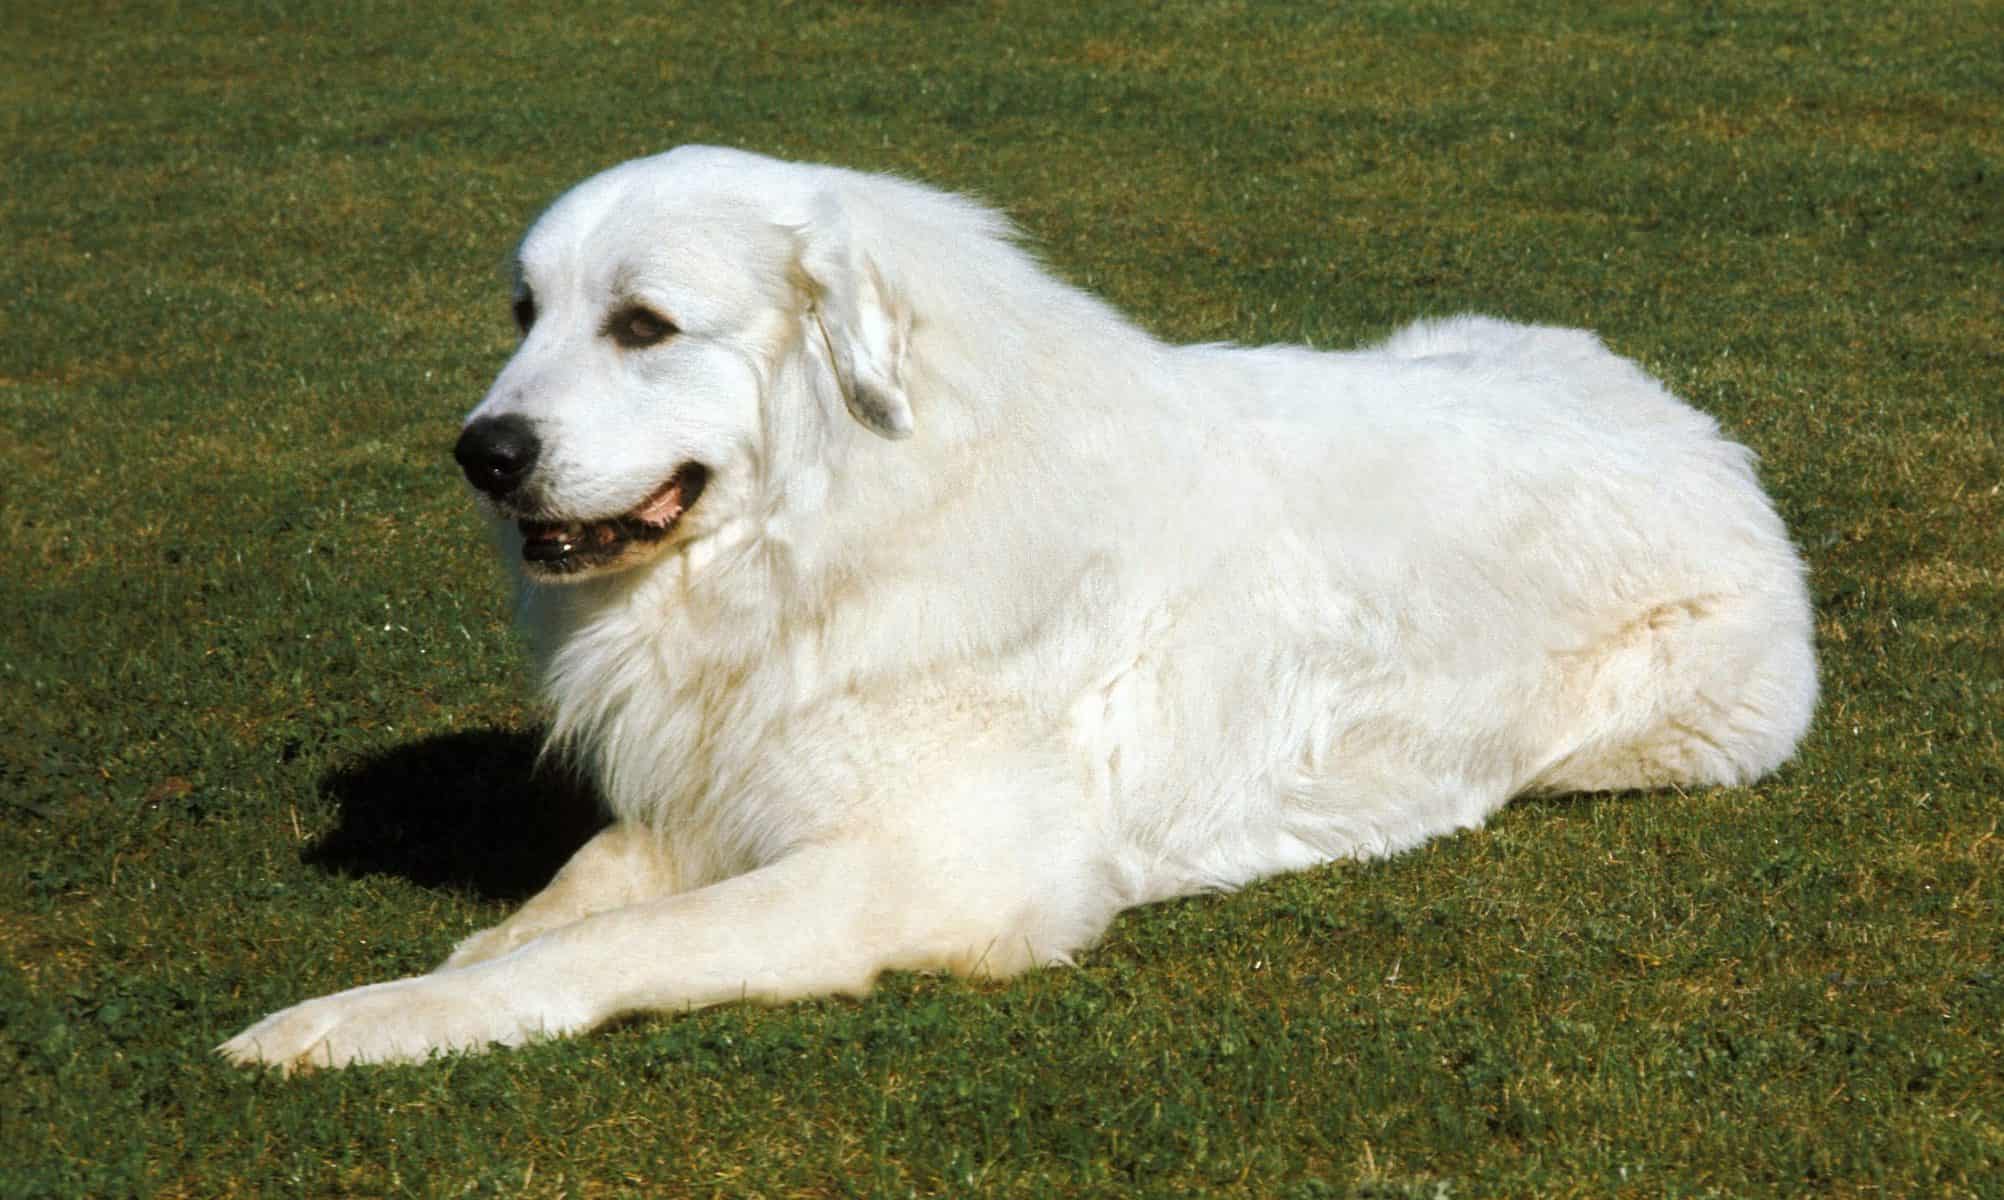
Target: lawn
{"x": 269, "y": 734}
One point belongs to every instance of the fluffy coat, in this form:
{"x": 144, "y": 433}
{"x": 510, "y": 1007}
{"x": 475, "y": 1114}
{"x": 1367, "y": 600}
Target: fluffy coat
{"x": 998, "y": 615}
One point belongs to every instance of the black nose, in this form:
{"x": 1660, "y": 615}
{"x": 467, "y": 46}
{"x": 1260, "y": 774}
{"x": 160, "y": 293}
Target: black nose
{"x": 497, "y": 453}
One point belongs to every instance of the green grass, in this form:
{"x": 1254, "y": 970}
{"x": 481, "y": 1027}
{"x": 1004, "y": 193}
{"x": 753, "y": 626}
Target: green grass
{"x": 259, "y": 696}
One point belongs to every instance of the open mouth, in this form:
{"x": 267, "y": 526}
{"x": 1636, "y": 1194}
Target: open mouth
{"x": 569, "y": 547}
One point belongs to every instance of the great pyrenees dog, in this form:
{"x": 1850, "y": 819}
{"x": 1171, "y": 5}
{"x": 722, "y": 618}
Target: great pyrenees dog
{"x": 914, "y": 610}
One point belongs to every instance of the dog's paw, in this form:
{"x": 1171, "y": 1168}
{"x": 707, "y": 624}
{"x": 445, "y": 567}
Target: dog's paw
{"x": 405, "y": 1020}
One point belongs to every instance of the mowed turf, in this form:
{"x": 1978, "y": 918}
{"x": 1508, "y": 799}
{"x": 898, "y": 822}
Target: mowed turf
{"x": 267, "y": 733}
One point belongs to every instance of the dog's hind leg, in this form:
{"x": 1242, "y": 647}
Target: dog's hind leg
{"x": 1706, "y": 691}
{"x": 622, "y": 865}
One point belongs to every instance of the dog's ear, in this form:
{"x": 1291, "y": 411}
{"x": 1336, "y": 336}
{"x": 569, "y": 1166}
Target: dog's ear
{"x": 860, "y": 319}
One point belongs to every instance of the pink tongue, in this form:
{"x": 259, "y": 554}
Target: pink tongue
{"x": 663, "y": 506}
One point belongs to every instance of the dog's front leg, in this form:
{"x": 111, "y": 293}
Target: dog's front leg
{"x": 625, "y": 864}
{"x": 826, "y": 918}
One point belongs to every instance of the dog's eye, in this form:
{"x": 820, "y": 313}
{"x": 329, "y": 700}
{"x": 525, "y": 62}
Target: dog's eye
{"x": 636, "y": 327}
{"x": 525, "y": 311}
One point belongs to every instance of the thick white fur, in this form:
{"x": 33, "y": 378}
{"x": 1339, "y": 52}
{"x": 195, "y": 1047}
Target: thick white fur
{"x": 1000, "y": 616}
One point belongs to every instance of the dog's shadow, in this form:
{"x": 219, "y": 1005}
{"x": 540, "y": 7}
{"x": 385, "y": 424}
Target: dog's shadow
{"x": 472, "y": 811}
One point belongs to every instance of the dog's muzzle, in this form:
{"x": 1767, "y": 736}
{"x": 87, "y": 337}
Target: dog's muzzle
{"x": 499, "y": 453}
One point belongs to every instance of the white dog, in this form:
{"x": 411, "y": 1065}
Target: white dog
{"x": 914, "y": 610}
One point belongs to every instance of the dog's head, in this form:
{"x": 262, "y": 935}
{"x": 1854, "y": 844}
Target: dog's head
{"x": 694, "y": 326}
